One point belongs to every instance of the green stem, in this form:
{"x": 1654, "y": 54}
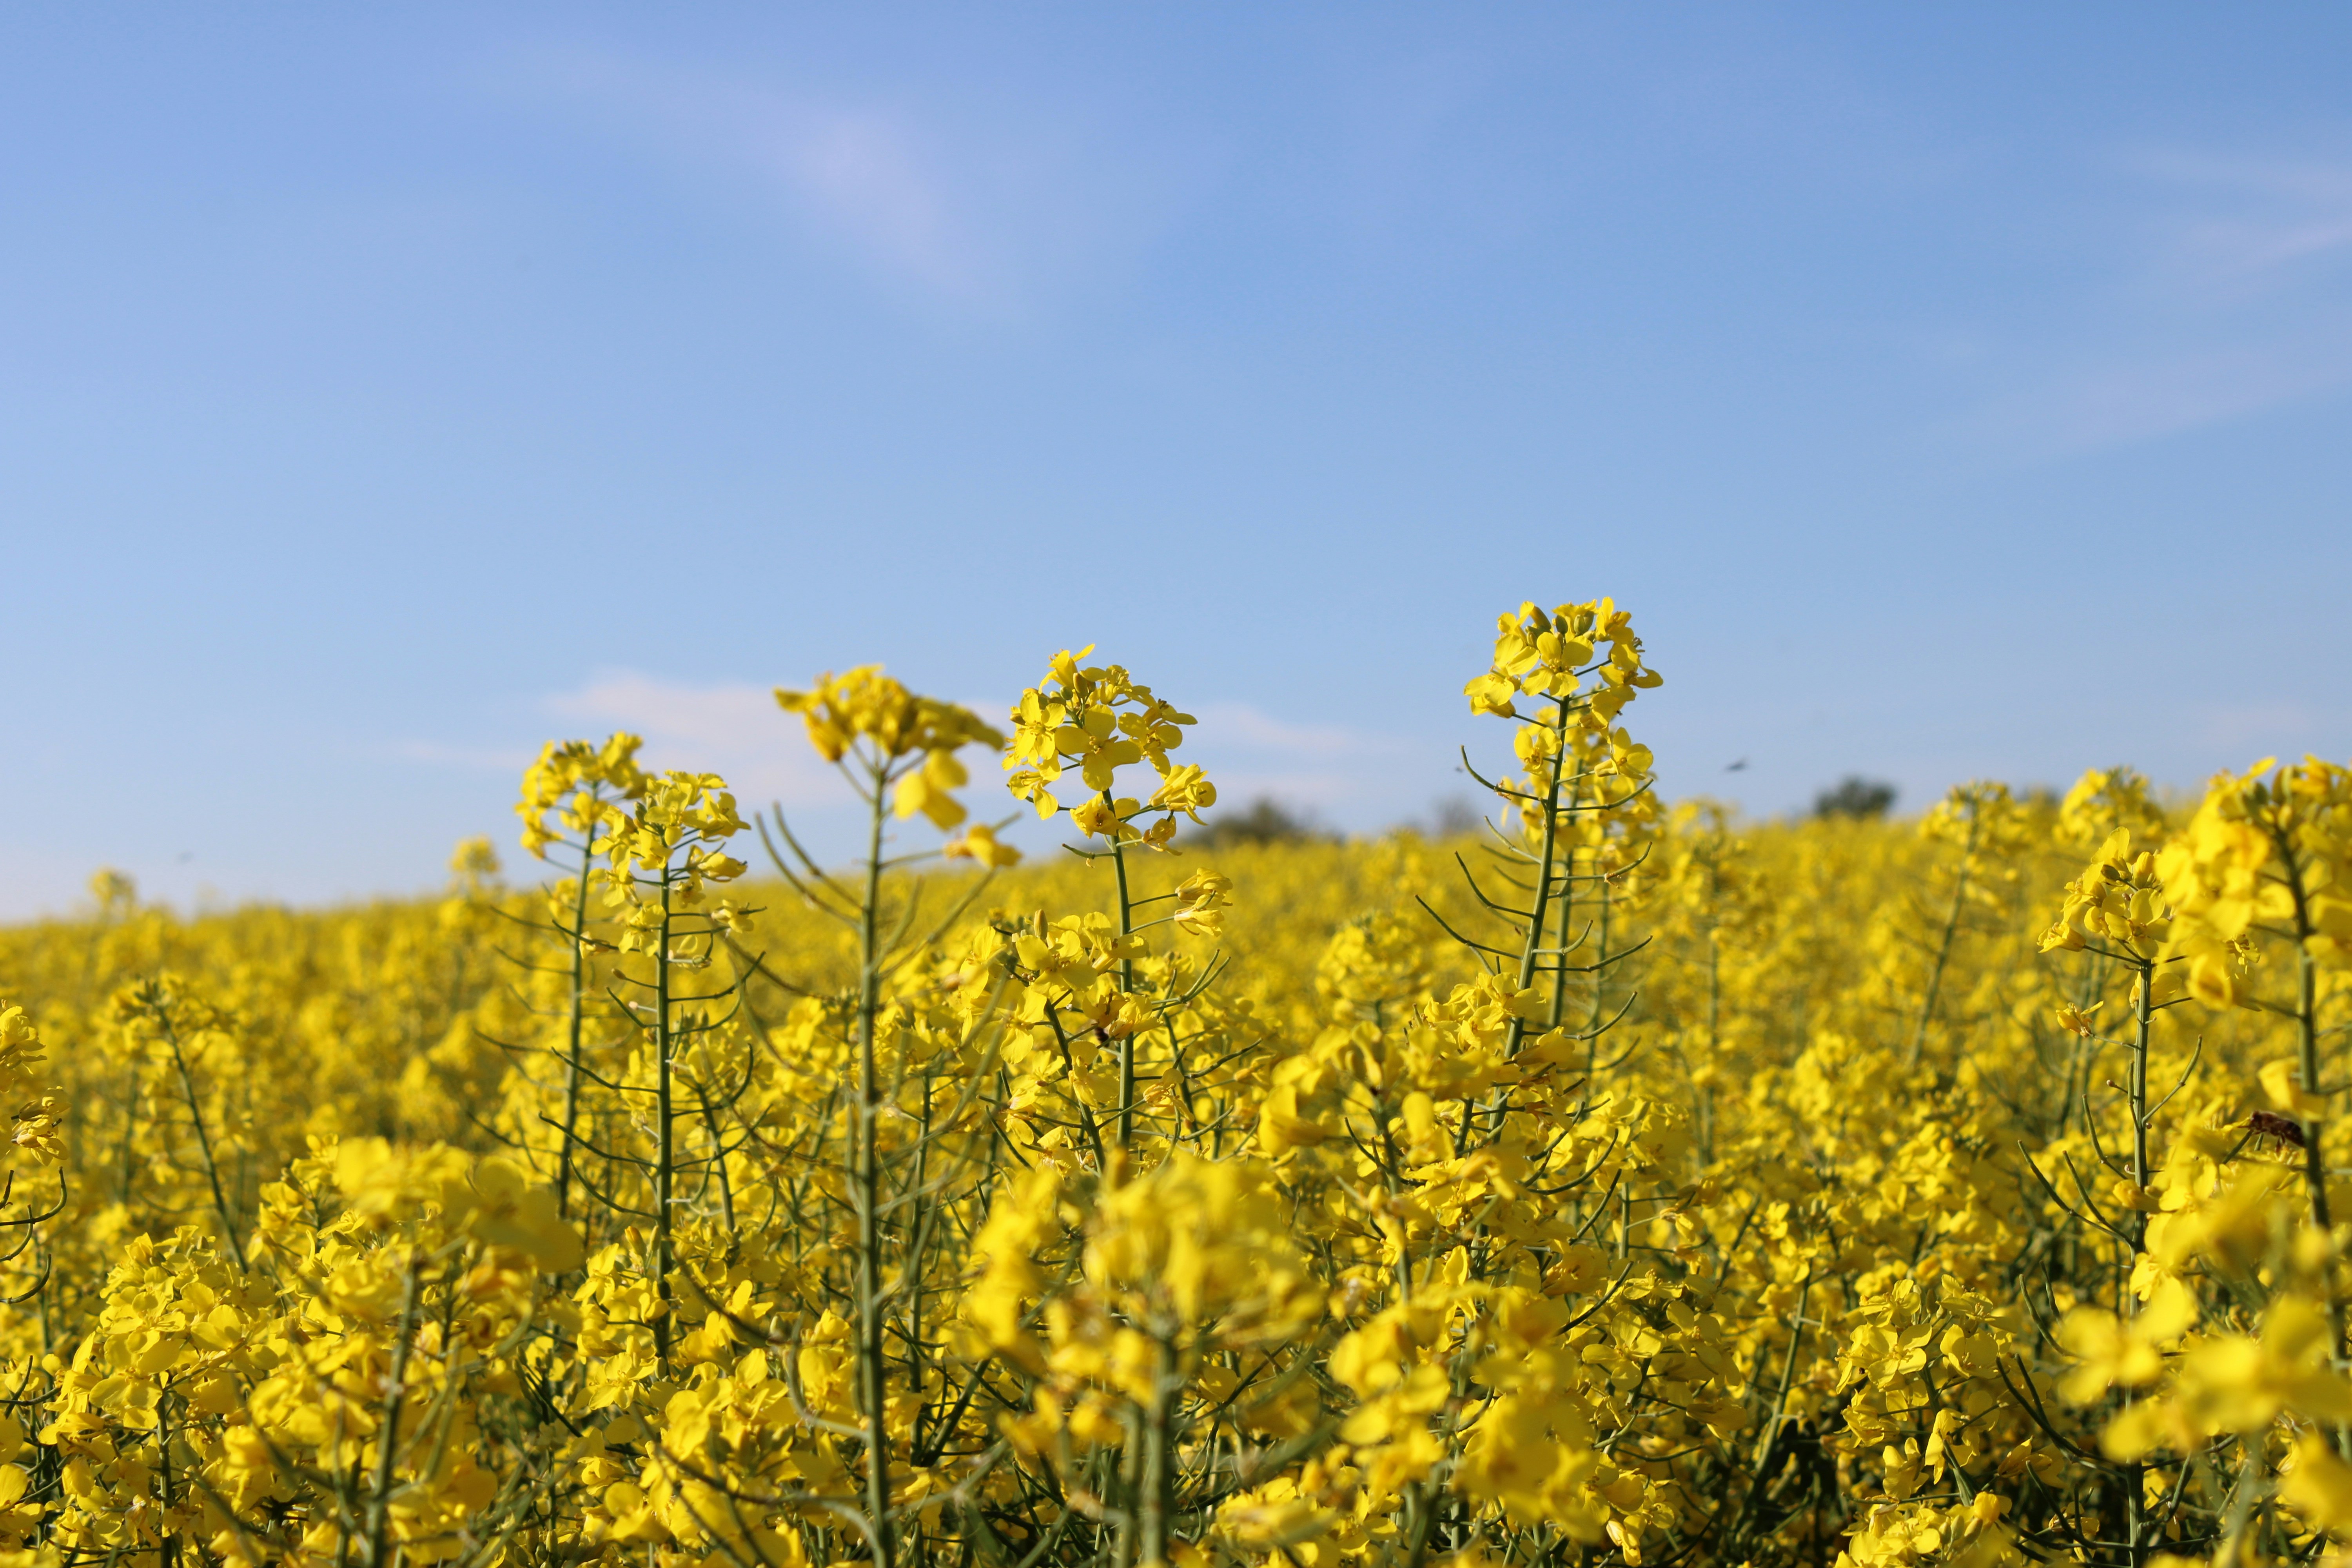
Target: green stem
{"x": 1557, "y": 1013}
{"x": 1126, "y": 983}
{"x": 2144, "y": 1021}
{"x": 129, "y": 1125}
{"x": 2137, "y": 1531}
{"x": 865, "y": 1177}
{"x": 168, "y": 1544}
{"x": 1155, "y": 1487}
{"x": 2306, "y": 1041}
{"x": 1714, "y": 1044}
{"x": 1951, "y": 930}
{"x": 1529, "y": 950}
{"x": 1601, "y": 971}
{"x": 204, "y": 1139}
{"x": 579, "y": 1008}
{"x": 387, "y": 1437}
{"x": 664, "y": 1133}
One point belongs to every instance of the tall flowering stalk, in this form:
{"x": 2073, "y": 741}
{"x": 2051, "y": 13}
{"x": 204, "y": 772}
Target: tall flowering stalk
{"x": 898, "y": 752}
{"x": 1094, "y": 719}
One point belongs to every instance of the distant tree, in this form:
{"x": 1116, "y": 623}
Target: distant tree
{"x": 1855, "y": 797}
{"x": 1265, "y": 820}
{"x": 1452, "y": 817}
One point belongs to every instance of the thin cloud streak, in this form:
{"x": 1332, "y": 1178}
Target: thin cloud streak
{"x": 977, "y": 210}
{"x": 2258, "y": 224}
{"x": 2097, "y": 406}
{"x": 2274, "y": 726}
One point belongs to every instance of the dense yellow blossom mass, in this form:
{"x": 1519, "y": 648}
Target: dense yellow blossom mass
{"x": 1630, "y": 1185}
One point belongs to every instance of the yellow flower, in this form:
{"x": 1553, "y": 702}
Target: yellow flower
{"x": 2113, "y": 1353}
{"x": 1097, "y": 817}
{"x": 2319, "y": 1487}
{"x": 979, "y": 842}
{"x": 2233, "y": 1383}
{"x": 1186, "y": 789}
{"x": 1201, "y": 899}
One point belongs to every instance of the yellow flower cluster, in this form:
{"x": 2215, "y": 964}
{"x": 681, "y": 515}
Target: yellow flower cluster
{"x": 1632, "y": 1185}
{"x": 1097, "y": 720}
{"x": 867, "y": 707}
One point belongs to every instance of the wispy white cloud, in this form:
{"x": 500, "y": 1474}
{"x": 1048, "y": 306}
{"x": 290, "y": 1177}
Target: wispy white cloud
{"x": 974, "y": 206}
{"x": 2230, "y": 295}
{"x": 867, "y": 171}
{"x": 734, "y": 729}
{"x": 864, "y": 174}
{"x": 1242, "y": 725}
{"x": 2285, "y": 727}
{"x": 473, "y": 759}
{"x": 1250, "y": 752}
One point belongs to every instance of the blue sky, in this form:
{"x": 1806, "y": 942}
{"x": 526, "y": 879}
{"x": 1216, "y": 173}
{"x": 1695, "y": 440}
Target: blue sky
{"x": 1950, "y": 392}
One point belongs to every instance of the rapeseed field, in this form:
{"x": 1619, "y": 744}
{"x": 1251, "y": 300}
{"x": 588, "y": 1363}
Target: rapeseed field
{"x": 1627, "y": 1184}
